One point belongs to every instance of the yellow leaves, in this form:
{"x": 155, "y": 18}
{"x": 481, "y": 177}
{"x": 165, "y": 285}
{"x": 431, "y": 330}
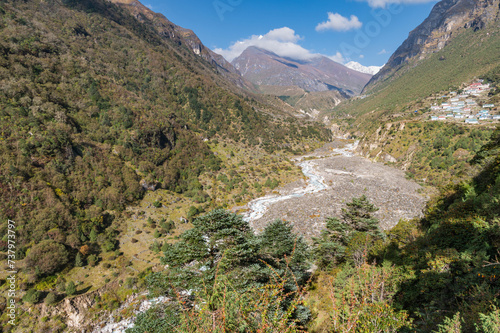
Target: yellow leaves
{"x": 59, "y": 192}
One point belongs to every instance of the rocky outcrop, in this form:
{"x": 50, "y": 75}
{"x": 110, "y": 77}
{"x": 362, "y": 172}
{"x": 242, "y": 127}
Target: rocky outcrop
{"x": 75, "y": 311}
{"x": 446, "y": 20}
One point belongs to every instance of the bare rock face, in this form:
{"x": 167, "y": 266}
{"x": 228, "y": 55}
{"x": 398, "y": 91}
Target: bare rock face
{"x": 74, "y": 310}
{"x": 446, "y": 20}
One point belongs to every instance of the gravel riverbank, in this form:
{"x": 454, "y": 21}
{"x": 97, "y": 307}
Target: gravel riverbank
{"x": 346, "y": 176}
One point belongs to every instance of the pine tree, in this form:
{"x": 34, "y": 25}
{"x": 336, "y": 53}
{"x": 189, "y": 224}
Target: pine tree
{"x": 348, "y": 236}
{"x": 78, "y": 260}
{"x": 93, "y": 235}
{"x": 359, "y": 217}
{"x": 51, "y": 299}
{"x": 217, "y": 238}
{"x": 282, "y": 249}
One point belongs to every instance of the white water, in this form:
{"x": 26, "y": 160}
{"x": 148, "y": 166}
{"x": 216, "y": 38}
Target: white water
{"x": 315, "y": 183}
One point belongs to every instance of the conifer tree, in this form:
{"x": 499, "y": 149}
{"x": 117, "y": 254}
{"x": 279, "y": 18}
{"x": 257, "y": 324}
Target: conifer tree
{"x": 70, "y": 288}
{"x": 78, "y": 260}
{"x": 356, "y": 224}
{"x": 219, "y": 238}
{"x": 93, "y": 235}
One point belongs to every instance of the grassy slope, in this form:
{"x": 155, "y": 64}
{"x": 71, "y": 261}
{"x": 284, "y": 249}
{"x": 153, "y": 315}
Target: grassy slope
{"x": 467, "y": 56}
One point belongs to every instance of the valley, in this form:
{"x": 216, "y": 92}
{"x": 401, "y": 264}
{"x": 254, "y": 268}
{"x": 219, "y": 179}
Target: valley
{"x": 280, "y": 186}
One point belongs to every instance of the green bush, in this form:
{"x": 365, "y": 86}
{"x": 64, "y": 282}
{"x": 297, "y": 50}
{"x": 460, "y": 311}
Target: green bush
{"x": 70, "y": 288}
{"x": 51, "y": 299}
{"x": 32, "y": 296}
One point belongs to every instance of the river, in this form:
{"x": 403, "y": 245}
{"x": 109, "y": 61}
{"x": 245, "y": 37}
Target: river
{"x": 315, "y": 183}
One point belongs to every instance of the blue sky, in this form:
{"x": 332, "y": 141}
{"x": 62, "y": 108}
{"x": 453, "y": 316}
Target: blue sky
{"x": 365, "y": 31}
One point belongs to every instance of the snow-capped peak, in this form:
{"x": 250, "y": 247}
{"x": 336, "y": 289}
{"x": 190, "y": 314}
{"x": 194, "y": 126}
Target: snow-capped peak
{"x": 363, "y": 69}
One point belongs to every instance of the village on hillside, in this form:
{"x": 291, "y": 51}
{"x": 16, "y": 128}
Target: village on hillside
{"x": 469, "y": 105}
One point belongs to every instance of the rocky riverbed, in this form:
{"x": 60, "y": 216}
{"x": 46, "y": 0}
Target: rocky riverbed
{"x": 343, "y": 176}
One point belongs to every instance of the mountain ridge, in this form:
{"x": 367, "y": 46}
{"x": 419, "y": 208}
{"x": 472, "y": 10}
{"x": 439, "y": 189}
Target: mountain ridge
{"x": 263, "y": 67}
{"x": 447, "y": 19}
{"x": 185, "y": 36}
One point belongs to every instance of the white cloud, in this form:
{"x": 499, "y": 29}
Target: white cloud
{"x": 338, "y": 57}
{"x": 384, "y": 51}
{"x": 361, "y": 56}
{"x": 384, "y": 3}
{"x": 149, "y": 6}
{"x": 282, "y": 41}
{"x": 339, "y": 23}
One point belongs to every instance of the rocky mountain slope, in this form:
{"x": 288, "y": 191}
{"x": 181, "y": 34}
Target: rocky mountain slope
{"x": 447, "y": 19}
{"x": 263, "y": 67}
{"x": 183, "y": 36}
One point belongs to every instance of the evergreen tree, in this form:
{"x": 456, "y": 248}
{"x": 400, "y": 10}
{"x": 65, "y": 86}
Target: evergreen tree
{"x": 346, "y": 237}
{"x": 359, "y": 217}
{"x": 219, "y": 240}
{"x": 70, "y": 288}
{"x": 32, "y": 296}
{"x": 284, "y": 251}
{"x": 221, "y": 257}
{"x": 51, "y": 299}
{"x": 93, "y": 235}
{"x": 79, "y": 260}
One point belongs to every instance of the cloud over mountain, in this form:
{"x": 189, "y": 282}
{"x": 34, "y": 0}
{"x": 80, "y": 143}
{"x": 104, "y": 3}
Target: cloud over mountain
{"x": 282, "y": 41}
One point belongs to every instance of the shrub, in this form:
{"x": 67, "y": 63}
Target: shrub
{"x": 92, "y": 260}
{"x": 48, "y": 256}
{"x": 32, "y": 296}
{"x": 71, "y": 288}
{"x": 51, "y": 298}
{"x": 78, "y": 260}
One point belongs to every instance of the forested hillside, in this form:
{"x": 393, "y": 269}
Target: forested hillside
{"x": 95, "y": 106}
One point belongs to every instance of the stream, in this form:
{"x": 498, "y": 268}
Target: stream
{"x": 315, "y": 183}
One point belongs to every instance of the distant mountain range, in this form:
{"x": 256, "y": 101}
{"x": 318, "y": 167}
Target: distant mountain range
{"x": 265, "y": 68}
{"x": 372, "y": 70}
{"x": 258, "y": 70}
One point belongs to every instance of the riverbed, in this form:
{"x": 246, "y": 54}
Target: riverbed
{"x": 332, "y": 178}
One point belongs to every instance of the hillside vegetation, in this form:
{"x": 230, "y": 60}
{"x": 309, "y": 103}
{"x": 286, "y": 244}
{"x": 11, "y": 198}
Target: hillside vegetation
{"x": 95, "y": 107}
{"x": 468, "y": 56}
{"x": 437, "y": 274}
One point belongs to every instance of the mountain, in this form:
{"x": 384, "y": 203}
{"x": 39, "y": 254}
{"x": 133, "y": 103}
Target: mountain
{"x": 183, "y": 36}
{"x": 447, "y": 20}
{"x": 458, "y": 43}
{"x": 372, "y": 70}
{"x": 265, "y": 68}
